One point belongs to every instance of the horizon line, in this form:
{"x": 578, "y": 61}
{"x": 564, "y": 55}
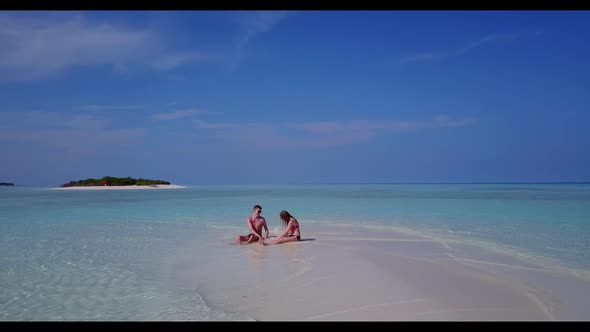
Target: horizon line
{"x": 352, "y": 183}
{"x": 339, "y": 183}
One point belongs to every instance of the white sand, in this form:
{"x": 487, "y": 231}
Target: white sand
{"x": 157, "y": 186}
{"x": 349, "y": 273}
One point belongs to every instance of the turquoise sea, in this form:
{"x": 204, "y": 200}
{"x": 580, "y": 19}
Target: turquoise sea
{"x": 107, "y": 255}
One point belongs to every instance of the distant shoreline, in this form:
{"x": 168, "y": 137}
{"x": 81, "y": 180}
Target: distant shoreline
{"x": 134, "y": 187}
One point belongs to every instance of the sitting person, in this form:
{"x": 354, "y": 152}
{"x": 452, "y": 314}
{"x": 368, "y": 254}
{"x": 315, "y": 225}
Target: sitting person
{"x": 256, "y": 223}
{"x": 292, "y": 231}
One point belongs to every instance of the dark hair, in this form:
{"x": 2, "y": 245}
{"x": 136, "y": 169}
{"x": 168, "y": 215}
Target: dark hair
{"x": 257, "y": 207}
{"x": 285, "y": 217}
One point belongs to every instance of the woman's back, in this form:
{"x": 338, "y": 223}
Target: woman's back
{"x": 294, "y": 228}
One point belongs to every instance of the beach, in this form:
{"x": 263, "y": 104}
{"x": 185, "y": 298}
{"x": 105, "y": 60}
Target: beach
{"x": 368, "y": 253}
{"x": 134, "y": 187}
{"x": 351, "y": 273}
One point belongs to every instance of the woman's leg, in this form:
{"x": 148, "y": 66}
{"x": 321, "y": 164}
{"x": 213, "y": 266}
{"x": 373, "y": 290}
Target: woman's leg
{"x": 283, "y": 240}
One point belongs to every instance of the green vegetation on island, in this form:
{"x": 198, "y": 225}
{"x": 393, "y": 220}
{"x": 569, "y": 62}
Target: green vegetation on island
{"x": 113, "y": 181}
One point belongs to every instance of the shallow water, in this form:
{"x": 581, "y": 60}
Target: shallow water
{"x": 111, "y": 255}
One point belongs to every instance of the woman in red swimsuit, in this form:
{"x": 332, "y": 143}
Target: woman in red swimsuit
{"x": 292, "y": 231}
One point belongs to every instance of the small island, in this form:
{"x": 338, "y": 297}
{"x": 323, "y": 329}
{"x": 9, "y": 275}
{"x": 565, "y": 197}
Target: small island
{"x": 111, "y": 182}
{"x": 6, "y": 184}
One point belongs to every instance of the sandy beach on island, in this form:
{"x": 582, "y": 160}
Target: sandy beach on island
{"x": 356, "y": 274}
{"x": 135, "y": 187}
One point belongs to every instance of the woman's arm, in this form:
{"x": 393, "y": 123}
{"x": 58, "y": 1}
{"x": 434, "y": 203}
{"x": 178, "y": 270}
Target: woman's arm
{"x": 289, "y": 225}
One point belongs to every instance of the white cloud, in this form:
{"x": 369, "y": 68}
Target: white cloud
{"x": 169, "y": 61}
{"x": 76, "y": 135}
{"x": 45, "y": 45}
{"x": 417, "y": 57}
{"x": 385, "y": 125}
{"x": 51, "y": 120}
{"x": 98, "y": 108}
{"x": 268, "y": 136}
{"x": 218, "y": 125}
{"x": 41, "y": 47}
{"x": 323, "y": 133}
{"x": 252, "y": 24}
{"x": 179, "y": 114}
{"x": 258, "y": 22}
{"x": 489, "y": 39}
{"x": 86, "y": 122}
{"x": 444, "y": 121}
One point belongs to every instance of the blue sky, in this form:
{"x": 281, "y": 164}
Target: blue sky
{"x": 234, "y": 97}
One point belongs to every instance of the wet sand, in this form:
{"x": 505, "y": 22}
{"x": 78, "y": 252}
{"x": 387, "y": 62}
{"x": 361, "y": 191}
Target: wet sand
{"x": 347, "y": 273}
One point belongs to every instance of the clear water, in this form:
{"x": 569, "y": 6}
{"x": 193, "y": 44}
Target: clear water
{"x": 106, "y": 255}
